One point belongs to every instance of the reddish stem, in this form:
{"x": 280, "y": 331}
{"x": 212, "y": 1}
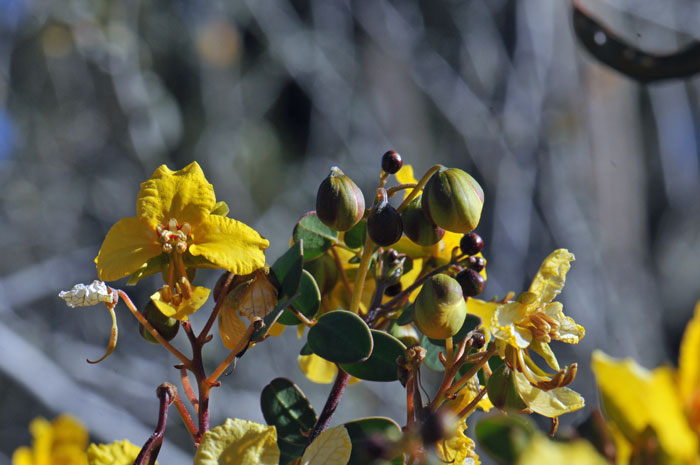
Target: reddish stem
{"x": 331, "y": 404}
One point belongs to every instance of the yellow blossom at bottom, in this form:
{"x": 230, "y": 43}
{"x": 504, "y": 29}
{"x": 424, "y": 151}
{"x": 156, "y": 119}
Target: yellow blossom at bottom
{"x": 542, "y": 451}
{"x": 459, "y": 449}
{"x": 239, "y": 442}
{"x": 59, "y": 442}
{"x": 115, "y": 453}
{"x": 332, "y": 447}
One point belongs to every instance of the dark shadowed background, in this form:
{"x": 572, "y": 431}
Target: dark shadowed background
{"x": 267, "y": 95}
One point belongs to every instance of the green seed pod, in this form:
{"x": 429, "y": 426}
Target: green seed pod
{"x": 166, "y": 326}
{"x": 339, "y": 202}
{"x": 453, "y": 200}
{"x": 503, "y": 390}
{"x": 406, "y": 334}
{"x": 325, "y": 272}
{"x": 418, "y": 227}
{"x": 384, "y": 224}
{"x": 440, "y": 309}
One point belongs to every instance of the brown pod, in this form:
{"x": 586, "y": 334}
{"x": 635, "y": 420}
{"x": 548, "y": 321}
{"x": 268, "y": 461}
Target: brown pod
{"x": 339, "y": 202}
{"x": 384, "y": 224}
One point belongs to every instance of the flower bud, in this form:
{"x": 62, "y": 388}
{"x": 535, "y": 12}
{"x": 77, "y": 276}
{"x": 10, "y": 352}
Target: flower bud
{"x": 471, "y": 281}
{"x": 453, "y": 200}
{"x": 166, "y": 326}
{"x": 439, "y": 310}
{"x": 502, "y": 390}
{"x": 384, "y": 224}
{"x": 471, "y": 244}
{"x": 325, "y": 272}
{"x": 391, "y": 162}
{"x": 418, "y": 227}
{"x": 406, "y": 334}
{"x": 339, "y": 202}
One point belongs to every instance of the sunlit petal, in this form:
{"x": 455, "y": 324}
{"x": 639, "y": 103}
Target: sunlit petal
{"x": 551, "y": 276}
{"x": 128, "y": 245}
{"x": 200, "y": 295}
{"x": 568, "y": 330}
{"x": 185, "y": 195}
{"x": 230, "y": 244}
{"x": 239, "y": 442}
{"x": 552, "y": 403}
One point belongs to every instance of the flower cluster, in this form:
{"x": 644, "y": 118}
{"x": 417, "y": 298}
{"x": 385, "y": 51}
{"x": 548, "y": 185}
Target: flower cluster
{"x": 379, "y": 291}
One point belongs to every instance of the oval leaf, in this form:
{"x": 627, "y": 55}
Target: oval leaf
{"x": 431, "y": 354}
{"x": 317, "y": 236}
{"x": 355, "y": 237}
{"x": 504, "y": 437}
{"x": 332, "y": 447}
{"x": 287, "y": 271}
{"x": 286, "y": 408}
{"x": 308, "y": 302}
{"x": 364, "y": 428}
{"x": 341, "y": 337}
{"x": 381, "y": 365}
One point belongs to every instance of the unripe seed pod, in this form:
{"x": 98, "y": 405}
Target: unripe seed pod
{"x": 339, "y": 202}
{"x": 166, "y": 326}
{"x": 453, "y": 200}
{"x": 471, "y": 244}
{"x": 384, "y": 224}
{"x": 503, "y": 390}
{"x": 439, "y": 310}
{"x": 418, "y": 226}
{"x": 471, "y": 281}
{"x": 391, "y": 162}
{"x": 325, "y": 272}
{"x": 478, "y": 340}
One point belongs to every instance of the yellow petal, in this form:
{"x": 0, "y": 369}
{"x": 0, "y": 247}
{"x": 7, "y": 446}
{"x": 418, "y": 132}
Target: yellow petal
{"x": 230, "y": 244}
{"x": 184, "y": 195}
{"x": 116, "y": 453}
{"x": 277, "y": 329}
{"x": 568, "y": 330}
{"x": 552, "y": 403}
{"x": 445, "y": 247}
{"x": 689, "y": 363}
{"x": 231, "y": 327}
{"x": 128, "y": 245}
{"x": 466, "y": 395}
{"x": 239, "y": 442}
{"x": 200, "y": 295}
{"x": 405, "y": 176}
{"x": 635, "y": 398}
{"x": 317, "y": 369}
{"x": 23, "y": 456}
{"x": 459, "y": 449}
{"x": 256, "y": 298}
{"x": 503, "y": 324}
{"x": 551, "y": 276}
{"x": 332, "y": 447}
{"x": 482, "y": 309}
{"x": 543, "y": 349}
{"x": 413, "y": 250}
{"x": 542, "y": 450}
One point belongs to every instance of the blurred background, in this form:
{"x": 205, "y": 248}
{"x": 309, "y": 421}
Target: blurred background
{"x": 267, "y": 95}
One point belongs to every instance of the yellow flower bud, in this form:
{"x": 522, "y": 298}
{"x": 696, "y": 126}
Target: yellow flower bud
{"x": 440, "y": 310}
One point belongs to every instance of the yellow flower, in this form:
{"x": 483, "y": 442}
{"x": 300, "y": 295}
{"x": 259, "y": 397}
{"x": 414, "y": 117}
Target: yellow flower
{"x": 689, "y": 371}
{"x": 60, "y": 442}
{"x": 459, "y": 449}
{"x": 116, "y": 453}
{"x": 543, "y": 450}
{"x": 533, "y": 320}
{"x": 331, "y": 447}
{"x": 640, "y": 403}
{"x": 239, "y": 442}
{"x": 177, "y": 221}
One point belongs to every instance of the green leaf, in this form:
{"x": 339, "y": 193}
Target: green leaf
{"x": 287, "y": 271}
{"x": 220, "y": 208}
{"x": 305, "y": 350}
{"x": 286, "y": 408}
{"x": 317, "y": 236}
{"x": 504, "y": 437}
{"x": 381, "y": 365}
{"x": 356, "y": 236}
{"x": 406, "y": 316}
{"x": 307, "y": 303}
{"x": 364, "y": 428}
{"x": 470, "y": 323}
{"x": 341, "y": 337}
{"x": 431, "y": 354}
{"x": 289, "y": 451}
